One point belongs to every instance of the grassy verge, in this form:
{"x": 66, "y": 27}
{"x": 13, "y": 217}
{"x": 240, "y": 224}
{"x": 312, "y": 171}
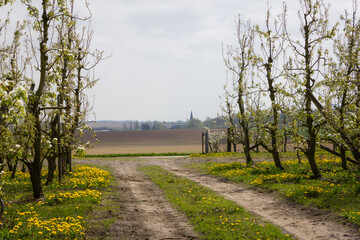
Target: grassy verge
{"x": 338, "y": 191}
{"x": 255, "y": 155}
{"x": 213, "y": 216}
{"x": 61, "y": 214}
{"x": 101, "y": 219}
{"x": 135, "y": 155}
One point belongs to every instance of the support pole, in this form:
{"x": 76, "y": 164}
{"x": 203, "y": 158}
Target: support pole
{"x": 202, "y": 142}
{"x": 206, "y": 142}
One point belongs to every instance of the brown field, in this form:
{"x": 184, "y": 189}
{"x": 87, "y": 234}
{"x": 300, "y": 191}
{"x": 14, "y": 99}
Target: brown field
{"x": 152, "y": 141}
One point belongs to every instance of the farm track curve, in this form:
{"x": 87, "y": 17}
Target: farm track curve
{"x": 147, "y": 215}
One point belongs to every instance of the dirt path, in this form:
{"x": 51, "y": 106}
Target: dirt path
{"x": 145, "y": 214}
{"x": 149, "y": 216}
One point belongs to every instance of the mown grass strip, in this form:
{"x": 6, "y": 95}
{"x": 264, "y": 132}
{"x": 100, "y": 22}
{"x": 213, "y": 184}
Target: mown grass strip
{"x": 213, "y": 216}
{"x": 255, "y": 155}
{"x": 135, "y": 155}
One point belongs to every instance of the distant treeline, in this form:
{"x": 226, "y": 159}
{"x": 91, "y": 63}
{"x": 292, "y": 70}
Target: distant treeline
{"x": 133, "y": 125}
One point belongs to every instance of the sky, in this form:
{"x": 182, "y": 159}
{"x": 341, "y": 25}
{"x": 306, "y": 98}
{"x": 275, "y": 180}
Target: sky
{"x": 166, "y": 55}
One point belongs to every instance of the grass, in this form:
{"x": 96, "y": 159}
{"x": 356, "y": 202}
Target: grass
{"x": 337, "y": 191}
{"x": 61, "y": 214}
{"x": 135, "y": 155}
{"x": 254, "y": 155}
{"x": 100, "y": 219}
{"x": 213, "y": 216}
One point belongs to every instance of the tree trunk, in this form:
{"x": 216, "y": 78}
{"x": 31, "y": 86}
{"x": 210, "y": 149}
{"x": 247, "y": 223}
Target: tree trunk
{"x": 51, "y": 170}
{"x": 35, "y": 177}
{"x": 52, "y": 157}
{"x": 276, "y": 157}
{"x": 275, "y": 124}
{"x": 69, "y": 159}
{"x": 35, "y": 166}
{"x": 13, "y": 172}
{"x": 343, "y": 157}
{"x": 228, "y": 142}
{"x": 9, "y": 165}
{"x": 245, "y": 128}
{"x": 246, "y": 145}
{"x": 274, "y": 150}
{"x": 311, "y": 141}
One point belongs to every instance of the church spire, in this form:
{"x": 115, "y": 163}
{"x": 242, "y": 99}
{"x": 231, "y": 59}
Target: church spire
{"x": 191, "y": 115}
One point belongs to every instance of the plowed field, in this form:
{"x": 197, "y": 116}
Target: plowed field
{"x": 152, "y": 141}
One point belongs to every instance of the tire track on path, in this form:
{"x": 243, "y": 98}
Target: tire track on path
{"x": 147, "y": 214}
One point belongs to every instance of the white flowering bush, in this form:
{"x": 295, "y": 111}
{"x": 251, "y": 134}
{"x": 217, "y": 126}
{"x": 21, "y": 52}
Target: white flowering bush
{"x": 80, "y": 151}
{"x": 216, "y": 138}
{"x": 13, "y": 97}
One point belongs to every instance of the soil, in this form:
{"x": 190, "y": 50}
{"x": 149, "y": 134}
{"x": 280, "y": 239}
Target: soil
{"x": 145, "y": 214}
{"x": 152, "y": 141}
{"x": 125, "y": 137}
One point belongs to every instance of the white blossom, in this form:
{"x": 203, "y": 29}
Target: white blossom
{"x": 20, "y": 103}
{"x": 5, "y": 83}
{"x": 20, "y": 88}
{"x": 80, "y": 148}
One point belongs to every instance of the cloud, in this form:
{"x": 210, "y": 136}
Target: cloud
{"x": 167, "y": 54}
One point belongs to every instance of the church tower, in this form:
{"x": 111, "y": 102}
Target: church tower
{"x": 191, "y": 115}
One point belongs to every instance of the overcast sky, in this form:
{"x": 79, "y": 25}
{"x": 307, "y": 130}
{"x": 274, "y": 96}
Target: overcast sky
{"x": 167, "y": 54}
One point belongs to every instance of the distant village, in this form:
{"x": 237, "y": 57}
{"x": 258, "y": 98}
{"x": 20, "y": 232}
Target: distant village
{"x": 134, "y": 125}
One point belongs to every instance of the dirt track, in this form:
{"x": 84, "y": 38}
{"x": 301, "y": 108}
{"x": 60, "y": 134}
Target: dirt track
{"x": 147, "y": 215}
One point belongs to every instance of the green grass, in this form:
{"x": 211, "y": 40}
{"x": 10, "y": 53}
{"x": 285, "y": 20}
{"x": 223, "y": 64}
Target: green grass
{"x": 256, "y": 155}
{"x": 338, "y": 191}
{"x": 135, "y": 155}
{"x": 61, "y": 214}
{"x": 212, "y": 216}
{"x": 100, "y": 219}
